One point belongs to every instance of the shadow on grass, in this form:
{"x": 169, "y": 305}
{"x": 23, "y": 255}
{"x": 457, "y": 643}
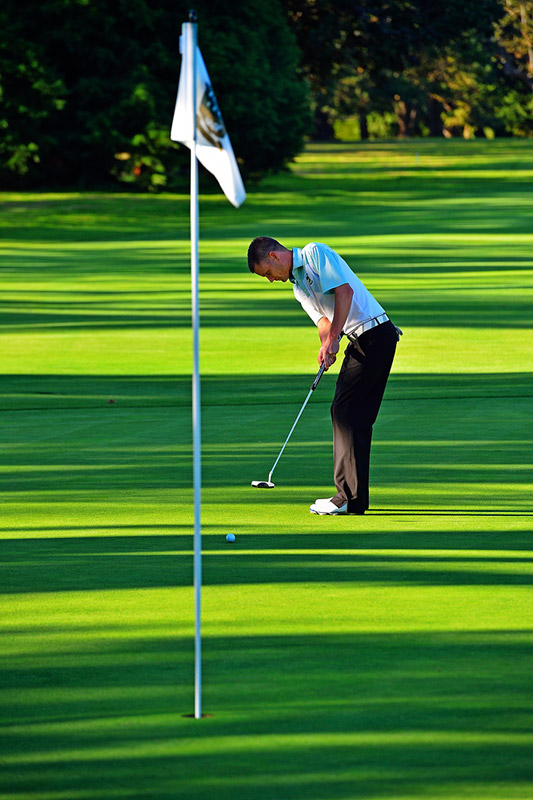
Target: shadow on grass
{"x": 121, "y": 562}
{"x": 361, "y": 179}
{"x": 445, "y": 512}
{"x": 295, "y": 717}
{"x": 26, "y": 392}
{"x": 434, "y": 431}
{"x": 441, "y": 306}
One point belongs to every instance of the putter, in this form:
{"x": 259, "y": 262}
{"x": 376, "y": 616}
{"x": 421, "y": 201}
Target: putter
{"x": 268, "y": 484}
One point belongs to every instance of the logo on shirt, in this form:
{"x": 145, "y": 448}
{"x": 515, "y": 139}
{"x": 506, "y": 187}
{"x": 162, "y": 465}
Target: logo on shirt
{"x": 309, "y": 280}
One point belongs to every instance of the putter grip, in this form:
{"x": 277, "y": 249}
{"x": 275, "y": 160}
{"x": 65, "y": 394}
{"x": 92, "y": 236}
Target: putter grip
{"x": 319, "y": 375}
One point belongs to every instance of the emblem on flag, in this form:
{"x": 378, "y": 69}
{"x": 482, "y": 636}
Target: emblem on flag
{"x": 209, "y": 119}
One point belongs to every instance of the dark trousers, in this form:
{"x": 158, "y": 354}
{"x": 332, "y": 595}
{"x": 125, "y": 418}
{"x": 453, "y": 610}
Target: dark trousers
{"x": 358, "y": 395}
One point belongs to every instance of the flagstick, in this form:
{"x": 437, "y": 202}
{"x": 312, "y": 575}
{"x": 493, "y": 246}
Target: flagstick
{"x": 196, "y": 419}
{"x": 194, "y": 78}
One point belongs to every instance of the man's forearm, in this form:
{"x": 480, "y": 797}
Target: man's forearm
{"x": 343, "y": 302}
{"x": 330, "y": 332}
{"x": 333, "y": 328}
{"x": 323, "y": 325}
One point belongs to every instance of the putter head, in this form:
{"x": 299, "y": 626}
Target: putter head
{"x": 263, "y": 484}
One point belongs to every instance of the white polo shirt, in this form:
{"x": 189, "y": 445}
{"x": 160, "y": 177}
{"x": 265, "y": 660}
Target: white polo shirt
{"x": 317, "y": 270}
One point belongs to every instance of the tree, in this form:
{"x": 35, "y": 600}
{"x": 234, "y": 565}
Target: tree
{"x": 384, "y": 41}
{"x": 29, "y": 96}
{"x": 488, "y": 83}
{"x": 514, "y": 35}
{"x": 88, "y": 88}
{"x": 514, "y": 56}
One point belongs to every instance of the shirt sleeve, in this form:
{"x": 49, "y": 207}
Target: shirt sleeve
{"x": 329, "y": 265}
{"x": 308, "y": 306}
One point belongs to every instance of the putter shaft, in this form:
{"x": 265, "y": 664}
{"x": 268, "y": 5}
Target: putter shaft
{"x": 311, "y": 390}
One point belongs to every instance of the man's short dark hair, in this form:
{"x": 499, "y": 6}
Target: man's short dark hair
{"x": 259, "y": 250}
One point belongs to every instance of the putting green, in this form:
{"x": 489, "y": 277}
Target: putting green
{"x": 385, "y": 656}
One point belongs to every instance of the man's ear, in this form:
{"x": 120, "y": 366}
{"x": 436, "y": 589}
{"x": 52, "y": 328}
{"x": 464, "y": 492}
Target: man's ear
{"x": 274, "y": 254}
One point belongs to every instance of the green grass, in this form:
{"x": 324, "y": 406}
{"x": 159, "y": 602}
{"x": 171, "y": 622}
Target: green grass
{"x": 385, "y": 656}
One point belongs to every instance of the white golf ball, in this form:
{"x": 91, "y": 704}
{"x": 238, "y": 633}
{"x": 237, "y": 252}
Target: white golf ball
{"x": 230, "y": 537}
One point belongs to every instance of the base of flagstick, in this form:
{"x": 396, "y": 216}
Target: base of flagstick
{"x": 193, "y": 716}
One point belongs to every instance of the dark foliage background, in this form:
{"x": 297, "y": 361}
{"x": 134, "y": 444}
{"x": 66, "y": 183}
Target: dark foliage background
{"x": 427, "y": 67}
{"x": 87, "y": 87}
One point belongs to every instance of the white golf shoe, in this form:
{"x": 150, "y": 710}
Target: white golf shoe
{"x": 325, "y": 506}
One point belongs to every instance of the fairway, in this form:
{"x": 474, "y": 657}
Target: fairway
{"x": 385, "y": 656}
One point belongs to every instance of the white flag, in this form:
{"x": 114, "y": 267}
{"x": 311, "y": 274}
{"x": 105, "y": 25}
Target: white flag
{"x": 213, "y": 147}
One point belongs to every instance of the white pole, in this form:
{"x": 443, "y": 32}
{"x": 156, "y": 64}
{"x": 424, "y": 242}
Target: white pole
{"x": 196, "y": 419}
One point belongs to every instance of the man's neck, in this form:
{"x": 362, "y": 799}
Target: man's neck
{"x": 291, "y": 261}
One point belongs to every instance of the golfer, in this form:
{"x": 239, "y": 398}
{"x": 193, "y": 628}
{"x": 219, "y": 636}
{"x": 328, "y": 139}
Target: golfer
{"x": 338, "y": 304}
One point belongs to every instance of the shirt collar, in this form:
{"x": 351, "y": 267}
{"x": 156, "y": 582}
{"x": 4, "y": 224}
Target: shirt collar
{"x": 297, "y": 262}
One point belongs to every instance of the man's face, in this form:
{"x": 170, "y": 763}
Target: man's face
{"x": 273, "y": 268}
